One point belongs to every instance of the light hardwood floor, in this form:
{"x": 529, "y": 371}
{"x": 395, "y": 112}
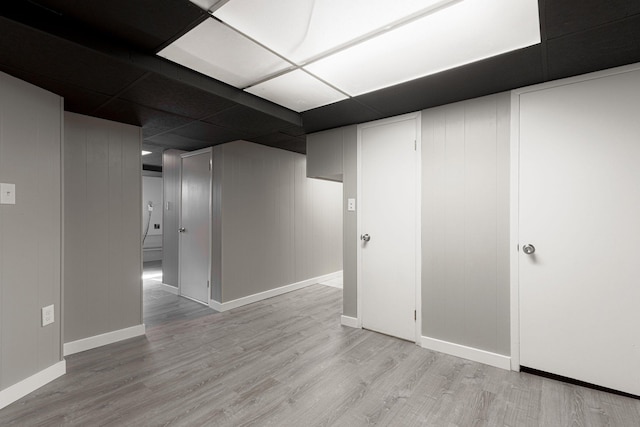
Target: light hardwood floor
{"x": 287, "y": 361}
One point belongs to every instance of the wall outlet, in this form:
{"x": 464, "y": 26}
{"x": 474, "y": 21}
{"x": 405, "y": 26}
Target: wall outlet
{"x": 351, "y": 205}
{"x": 47, "y": 315}
{"x": 7, "y": 194}
{"x": 156, "y": 226}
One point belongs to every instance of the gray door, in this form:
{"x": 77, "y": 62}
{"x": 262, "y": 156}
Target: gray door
{"x": 195, "y": 225}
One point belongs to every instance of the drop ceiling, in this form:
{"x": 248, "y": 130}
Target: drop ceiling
{"x": 102, "y": 57}
{"x": 304, "y": 54}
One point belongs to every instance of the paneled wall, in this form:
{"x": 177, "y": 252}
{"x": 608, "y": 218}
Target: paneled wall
{"x": 102, "y": 223}
{"x": 350, "y": 239}
{"x": 324, "y": 155}
{"x": 30, "y": 230}
{"x": 275, "y": 227}
{"x": 317, "y": 224}
{"x": 170, "y": 218}
{"x": 465, "y": 223}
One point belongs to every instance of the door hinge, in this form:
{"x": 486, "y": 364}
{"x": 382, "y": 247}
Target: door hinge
{"x": 415, "y": 145}
{"x": 210, "y": 164}
{"x": 208, "y": 284}
{"x": 415, "y": 315}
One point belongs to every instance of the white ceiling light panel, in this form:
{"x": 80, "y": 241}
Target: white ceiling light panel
{"x": 205, "y": 4}
{"x": 213, "y": 49}
{"x": 297, "y": 90}
{"x": 460, "y": 34}
{"x": 303, "y": 29}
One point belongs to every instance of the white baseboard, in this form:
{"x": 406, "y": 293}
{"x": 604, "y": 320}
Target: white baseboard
{"x": 477, "y": 355}
{"x": 351, "y": 322}
{"x": 103, "y": 339}
{"x": 31, "y": 384}
{"x": 169, "y": 288}
{"x": 249, "y": 299}
{"x": 326, "y": 280}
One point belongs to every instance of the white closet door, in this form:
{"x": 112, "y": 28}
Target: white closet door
{"x": 388, "y": 215}
{"x": 580, "y": 209}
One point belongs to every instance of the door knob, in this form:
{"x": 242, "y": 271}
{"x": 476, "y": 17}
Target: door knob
{"x": 528, "y": 249}
{"x": 365, "y": 237}
{"x": 181, "y": 230}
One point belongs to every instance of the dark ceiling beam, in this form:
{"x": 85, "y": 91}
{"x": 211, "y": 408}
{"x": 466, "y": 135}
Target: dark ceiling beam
{"x": 59, "y": 26}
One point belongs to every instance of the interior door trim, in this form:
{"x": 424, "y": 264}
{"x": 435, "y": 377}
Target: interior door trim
{"x": 514, "y": 193}
{"x": 418, "y": 215}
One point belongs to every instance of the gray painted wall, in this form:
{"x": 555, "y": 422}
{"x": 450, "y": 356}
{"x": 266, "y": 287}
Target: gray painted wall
{"x": 465, "y": 220}
{"x": 332, "y": 154}
{"x": 317, "y": 224}
{"x": 170, "y": 218}
{"x": 30, "y": 230}
{"x": 275, "y": 226}
{"x": 102, "y": 226}
{"x": 350, "y": 223}
{"x": 324, "y": 155}
{"x": 465, "y": 223}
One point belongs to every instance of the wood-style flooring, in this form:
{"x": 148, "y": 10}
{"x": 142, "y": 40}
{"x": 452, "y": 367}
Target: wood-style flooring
{"x": 287, "y": 361}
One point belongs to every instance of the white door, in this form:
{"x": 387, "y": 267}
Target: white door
{"x": 388, "y": 183}
{"x": 580, "y": 209}
{"x": 195, "y": 220}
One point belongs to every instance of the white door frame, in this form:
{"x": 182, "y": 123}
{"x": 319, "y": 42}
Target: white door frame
{"x": 182, "y": 156}
{"x": 515, "y": 193}
{"x": 418, "y": 215}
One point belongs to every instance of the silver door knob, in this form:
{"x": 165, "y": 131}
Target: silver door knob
{"x": 181, "y": 230}
{"x": 528, "y": 249}
{"x": 365, "y": 237}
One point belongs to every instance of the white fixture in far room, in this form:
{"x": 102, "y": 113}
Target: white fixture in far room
{"x": 145, "y": 152}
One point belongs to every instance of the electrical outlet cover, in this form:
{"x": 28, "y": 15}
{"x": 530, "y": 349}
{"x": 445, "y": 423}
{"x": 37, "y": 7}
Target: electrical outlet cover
{"x": 7, "y": 194}
{"x": 47, "y": 315}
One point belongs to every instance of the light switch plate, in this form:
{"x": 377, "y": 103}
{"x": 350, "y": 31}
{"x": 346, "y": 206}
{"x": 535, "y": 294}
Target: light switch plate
{"x": 47, "y": 315}
{"x": 7, "y": 194}
{"x": 351, "y": 205}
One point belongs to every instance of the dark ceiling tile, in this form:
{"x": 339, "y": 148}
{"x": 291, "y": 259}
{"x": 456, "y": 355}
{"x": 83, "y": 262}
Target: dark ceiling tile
{"x": 169, "y": 140}
{"x": 198, "y": 133}
{"x": 294, "y": 131}
{"x": 24, "y": 48}
{"x": 247, "y": 120}
{"x": 152, "y": 122}
{"x": 497, "y": 74}
{"x": 564, "y": 17}
{"x": 147, "y": 24}
{"x": 282, "y": 141}
{"x": 155, "y": 122}
{"x": 338, "y": 114}
{"x": 603, "y": 47}
{"x": 120, "y": 111}
{"x": 175, "y": 97}
{"x": 76, "y": 99}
